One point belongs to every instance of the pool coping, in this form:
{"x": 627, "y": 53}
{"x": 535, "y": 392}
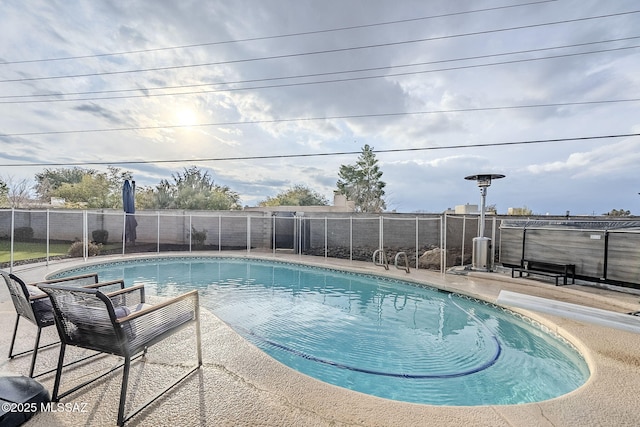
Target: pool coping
{"x": 241, "y": 385}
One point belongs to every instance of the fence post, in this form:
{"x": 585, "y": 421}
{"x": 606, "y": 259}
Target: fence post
{"x": 85, "y": 232}
{"x": 13, "y": 226}
{"x": 326, "y": 250}
{"x": 493, "y": 244}
{"x": 219, "y": 232}
{"x": 124, "y": 231}
{"x": 350, "y": 238}
{"x": 464, "y": 234}
{"x": 273, "y": 233}
{"x": 381, "y": 233}
{"x": 443, "y": 243}
{"x": 190, "y": 233}
{"x": 248, "y": 233}
{"x": 158, "y": 233}
{"x": 417, "y": 249}
{"x": 300, "y": 231}
{"x": 47, "y": 263}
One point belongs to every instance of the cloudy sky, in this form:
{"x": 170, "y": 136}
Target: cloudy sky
{"x": 269, "y": 94}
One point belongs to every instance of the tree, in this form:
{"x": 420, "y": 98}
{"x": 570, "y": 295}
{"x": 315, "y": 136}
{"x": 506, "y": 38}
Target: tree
{"x": 298, "y": 195}
{"x": 524, "y": 211}
{"x": 14, "y": 193}
{"x": 145, "y": 197}
{"x": 51, "y": 179}
{"x": 92, "y": 191}
{"x": 4, "y": 194}
{"x": 195, "y": 190}
{"x": 83, "y": 187}
{"x": 621, "y": 212}
{"x": 361, "y": 182}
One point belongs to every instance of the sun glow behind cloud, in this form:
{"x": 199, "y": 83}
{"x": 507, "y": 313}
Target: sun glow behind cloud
{"x": 186, "y": 117}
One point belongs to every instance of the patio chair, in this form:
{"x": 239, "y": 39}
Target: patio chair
{"x": 120, "y": 323}
{"x": 33, "y": 305}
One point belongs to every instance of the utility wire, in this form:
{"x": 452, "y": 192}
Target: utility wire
{"x": 18, "y": 99}
{"x": 342, "y": 80}
{"x": 307, "y": 119}
{"x": 318, "y": 52}
{"x": 252, "y": 39}
{"x": 340, "y": 153}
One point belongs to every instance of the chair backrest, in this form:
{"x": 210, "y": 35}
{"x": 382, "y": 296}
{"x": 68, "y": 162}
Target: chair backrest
{"x": 39, "y": 311}
{"x": 20, "y": 296}
{"x": 80, "y": 280}
{"x": 85, "y": 318}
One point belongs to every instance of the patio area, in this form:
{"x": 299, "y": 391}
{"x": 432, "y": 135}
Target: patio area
{"x": 240, "y": 385}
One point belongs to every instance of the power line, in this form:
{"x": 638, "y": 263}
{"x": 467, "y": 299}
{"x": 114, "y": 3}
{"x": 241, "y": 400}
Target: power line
{"x": 146, "y": 95}
{"x": 303, "y": 33}
{"x": 339, "y": 153}
{"x": 306, "y": 119}
{"x": 325, "y": 51}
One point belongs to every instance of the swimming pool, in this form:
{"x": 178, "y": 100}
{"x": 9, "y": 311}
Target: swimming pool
{"x": 376, "y": 335}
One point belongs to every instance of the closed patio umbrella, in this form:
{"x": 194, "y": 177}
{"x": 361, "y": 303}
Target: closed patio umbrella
{"x": 129, "y": 206}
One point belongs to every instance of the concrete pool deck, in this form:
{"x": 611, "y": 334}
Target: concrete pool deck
{"x": 240, "y": 385}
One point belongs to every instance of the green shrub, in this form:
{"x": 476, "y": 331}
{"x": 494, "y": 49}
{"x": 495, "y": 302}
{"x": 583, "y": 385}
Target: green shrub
{"x": 198, "y": 237}
{"x": 77, "y": 249}
{"x": 100, "y": 236}
{"x": 23, "y": 234}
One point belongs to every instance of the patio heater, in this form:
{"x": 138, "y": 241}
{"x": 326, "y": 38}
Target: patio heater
{"x": 481, "y": 256}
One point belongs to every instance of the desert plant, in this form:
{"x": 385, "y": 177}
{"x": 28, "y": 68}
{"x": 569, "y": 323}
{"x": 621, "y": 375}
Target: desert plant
{"x": 23, "y": 234}
{"x": 100, "y": 236}
{"x": 197, "y": 237}
{"x": 77, "y": 249}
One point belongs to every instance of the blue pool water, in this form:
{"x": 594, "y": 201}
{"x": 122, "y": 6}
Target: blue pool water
{"x": 376, "y": 335}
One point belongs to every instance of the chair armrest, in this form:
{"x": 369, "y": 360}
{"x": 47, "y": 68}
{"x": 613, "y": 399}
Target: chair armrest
{"x": 147, "y": 325}
{"x": 116, "y": 284}
{"x": 164, "y": 304}
{"x": 127, "y": 296}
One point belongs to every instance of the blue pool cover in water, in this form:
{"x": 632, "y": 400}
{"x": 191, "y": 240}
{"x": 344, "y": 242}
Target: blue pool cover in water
{"x": 379, "y": 336}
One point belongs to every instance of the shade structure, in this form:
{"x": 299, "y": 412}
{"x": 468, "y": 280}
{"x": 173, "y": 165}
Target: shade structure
{"x": 129, "y": 206}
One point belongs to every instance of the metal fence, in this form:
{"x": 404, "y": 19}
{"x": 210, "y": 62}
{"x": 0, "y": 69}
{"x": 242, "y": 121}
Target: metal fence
{"x": 602, "y": 251}
{"x": 429, "y": 240}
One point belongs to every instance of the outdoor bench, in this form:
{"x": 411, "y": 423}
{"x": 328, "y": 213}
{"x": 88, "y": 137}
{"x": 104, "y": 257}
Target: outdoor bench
{"x": 545, "y": 268}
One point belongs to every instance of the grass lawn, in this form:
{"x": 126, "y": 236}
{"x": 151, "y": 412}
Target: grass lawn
{"x": 34, "y": 250}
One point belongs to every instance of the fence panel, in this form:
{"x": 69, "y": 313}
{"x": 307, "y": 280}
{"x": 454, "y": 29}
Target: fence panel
{"x": 284, "y": 235}
{"x": 261, "y": 234}
{"x": 233, "y": 233}
{"x": 339, "y": 236}
{"x": 166, "y": 228}
{"x": 315, "y": 237}
{"x": 459, "y": 238}
{"x": 430, "y": 242}
{"x": 199, "y": 232}
{"x": 399, "y": 235}
{"x": 366, "y": 237}
{"x": 511, "y": 245}
{"x": 623, "y": 247}
{"x": 30, "y": 236}
{"x": 583, "y": 248}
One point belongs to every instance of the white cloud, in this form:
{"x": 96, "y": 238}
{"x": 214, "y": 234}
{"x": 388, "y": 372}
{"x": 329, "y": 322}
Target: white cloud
{"x": 416, "y": 180}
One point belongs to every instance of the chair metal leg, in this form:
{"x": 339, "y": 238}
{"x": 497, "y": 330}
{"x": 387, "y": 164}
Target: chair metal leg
{"x": 35, "y": 353}
{"x": 123, "y": 390}
{"x": 56, "y": 385}
{"x": 198, "y": 336}
{"x": 13, "y": 339}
